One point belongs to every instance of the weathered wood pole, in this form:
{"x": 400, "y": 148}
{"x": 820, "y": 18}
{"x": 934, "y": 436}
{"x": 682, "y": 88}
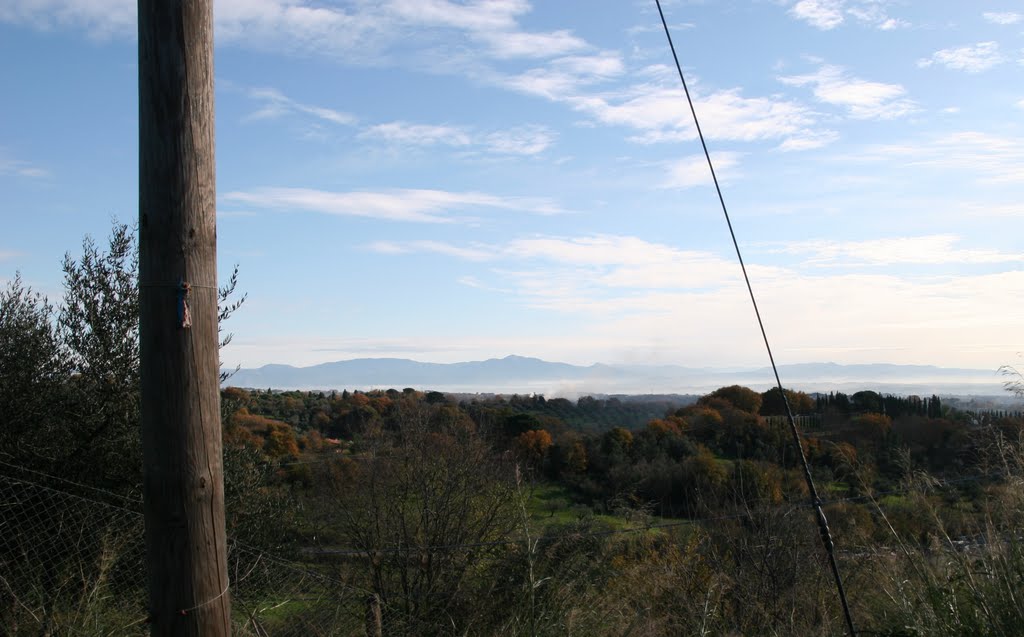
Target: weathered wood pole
{"x": 186, "y": 551}
{"x": 374, "y": 620}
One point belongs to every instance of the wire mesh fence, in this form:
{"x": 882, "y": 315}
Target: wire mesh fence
{"x": 69, "y": 564}
{"x": 74, "y": 564}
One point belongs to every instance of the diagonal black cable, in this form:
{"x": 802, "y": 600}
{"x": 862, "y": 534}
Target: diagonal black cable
{"x": 826, "y": 534}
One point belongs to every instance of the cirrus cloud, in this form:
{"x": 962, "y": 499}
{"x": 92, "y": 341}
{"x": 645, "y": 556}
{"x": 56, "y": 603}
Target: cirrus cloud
{"x": 972, "y": 59}
{"x": 355, "y": 32}
{"x": 661, "y": 114}
{"x": 693, "y": 171}
{"x": 415, "y": 205}
{"x": 862, "y": 99}
{"x": 922, "y": 250}
{"x": 20, "y": 168}
{"x": 519, "y": 140}
{"x": 1003, "y": 17}
{"x": 275, "y": 104}
{"x": 822, "y": 14}
{"x": 829, "y": 14}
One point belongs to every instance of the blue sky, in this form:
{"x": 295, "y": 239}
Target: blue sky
{"x": 447, "y": 181}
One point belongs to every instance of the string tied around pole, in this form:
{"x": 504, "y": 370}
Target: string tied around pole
{"x": 184, "y": 315}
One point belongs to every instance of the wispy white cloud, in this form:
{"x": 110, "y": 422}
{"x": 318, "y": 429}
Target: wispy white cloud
{"x": 415, "y": 205}
{"x": 657, "y": 110}
{"x": 604, "y": 65}
{"x": 606, "y": 267}
{"x": 100, "y": 18}
{"x": 473, "y": 282}
{"x": 657, "y": 28}
{"x": 809, "y": 140}
{"x": 861, "y": 98}
{"x": 1003, "y": 17}
{"x": 923, "y": 250}
{"x": 14, "y": 167}
{"x": 693, "y": 171}
{"x": 660, "y": 114}
{"x": 566, "y": 76}
{"x": 990, "y": 158}
{"x": 467, "y": 38}
{"x": 410, "y": 134}
{"x": 298, "y": 26}
{"x": 357, "y": 32}
{"x": 284, "y": 24}
{"x": 276, "y": 104}
{"x": 972, "y": 59}
{"x": 469, "y": 253}
{"x": 893, "y": 23}
{"x": 476, "y": 15}
{"x": 873, "y": 13}
{"x": 586, "y": 262}
{"x": 369, "y": 32}
{"x": 821, "y": 14}
{"x": 522, "y": 44}
{"x": 829, "y": 14}
{"x": 492, "y": 23}
{"x": 520, "y": 140}
{"x": 598, "y": 250}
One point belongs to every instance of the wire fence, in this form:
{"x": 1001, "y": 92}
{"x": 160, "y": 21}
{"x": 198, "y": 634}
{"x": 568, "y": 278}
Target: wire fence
{"x": 74, "y": 564}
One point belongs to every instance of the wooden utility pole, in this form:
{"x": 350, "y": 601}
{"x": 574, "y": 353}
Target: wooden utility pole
{"x": 183, "y": 493}
{"x": 374, "y": 621}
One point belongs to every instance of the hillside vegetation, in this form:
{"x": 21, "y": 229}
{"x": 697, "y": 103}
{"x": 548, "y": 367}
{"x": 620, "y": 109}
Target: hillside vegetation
{"x": 495, "y": 515}
{"x": 506, "y": 519}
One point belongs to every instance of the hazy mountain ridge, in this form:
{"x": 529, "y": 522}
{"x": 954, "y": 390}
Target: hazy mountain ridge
{"x": 519, "y": 374}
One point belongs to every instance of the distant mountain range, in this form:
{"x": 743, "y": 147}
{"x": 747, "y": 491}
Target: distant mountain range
{"x": 518, "y": 374}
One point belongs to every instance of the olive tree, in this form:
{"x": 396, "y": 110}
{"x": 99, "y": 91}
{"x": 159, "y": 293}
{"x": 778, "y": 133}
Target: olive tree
{"x": 33, "y": 372}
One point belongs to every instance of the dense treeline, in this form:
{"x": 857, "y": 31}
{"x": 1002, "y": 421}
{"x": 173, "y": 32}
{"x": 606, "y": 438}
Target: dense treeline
{"x": 332, "y": 413}
{"x": 722, "y": 450}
